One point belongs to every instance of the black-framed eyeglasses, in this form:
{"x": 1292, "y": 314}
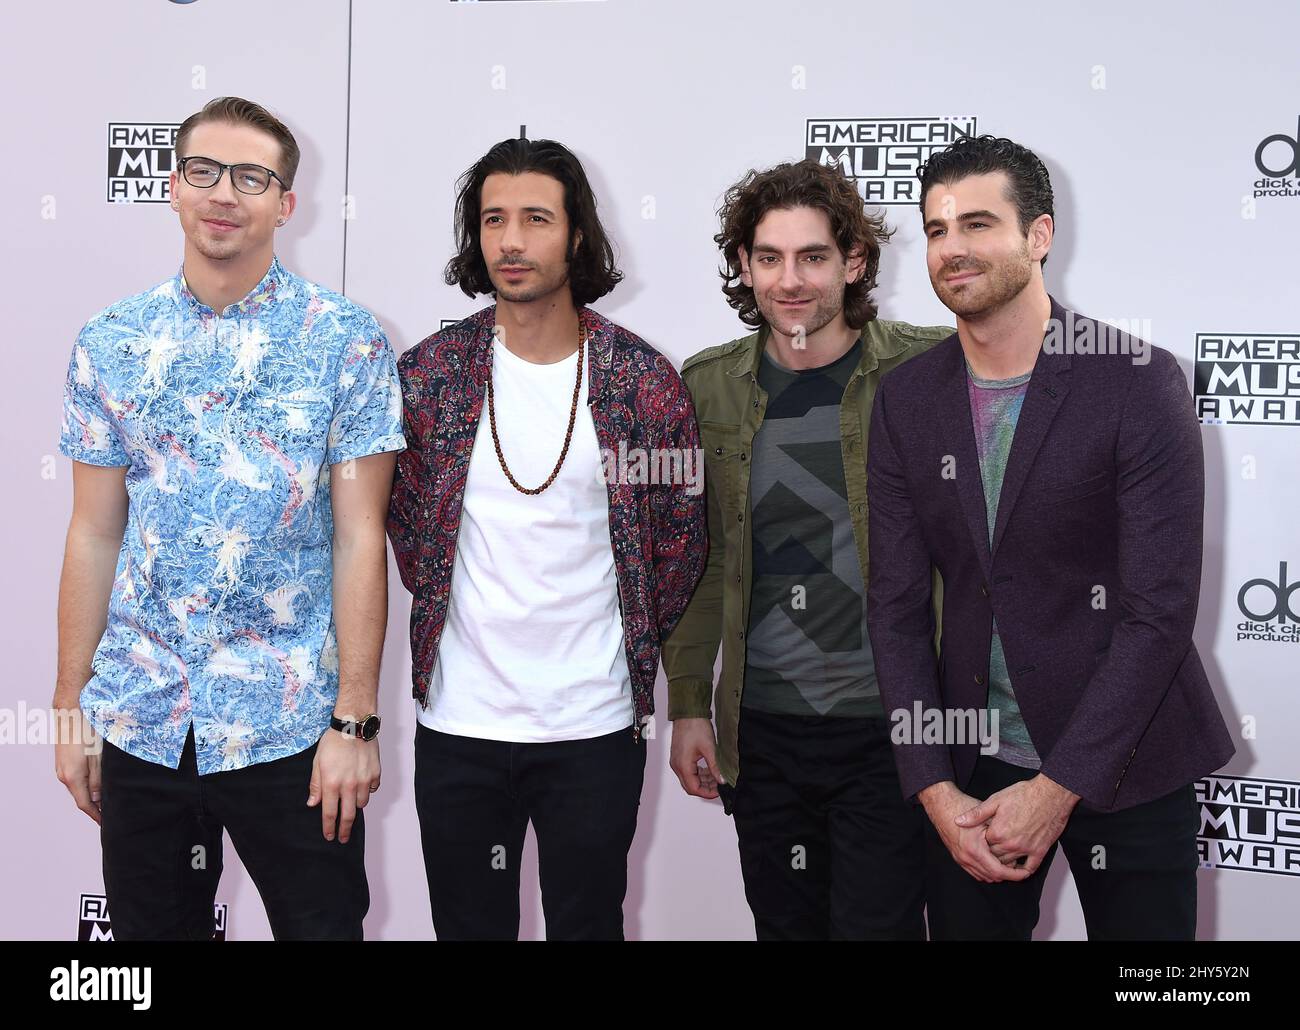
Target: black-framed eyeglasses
{"x": 204, "y": 173}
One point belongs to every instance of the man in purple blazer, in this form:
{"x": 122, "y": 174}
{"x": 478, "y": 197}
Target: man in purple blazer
{"x": 1050, "y": 468}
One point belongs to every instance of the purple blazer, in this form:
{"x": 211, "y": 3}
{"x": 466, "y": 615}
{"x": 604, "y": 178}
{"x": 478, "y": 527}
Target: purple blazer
{"x": 1104, "y": 487}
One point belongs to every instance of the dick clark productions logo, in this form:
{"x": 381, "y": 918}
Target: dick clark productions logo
{"x": 1278, "y": 159}
{"x": 1270, "y": 608}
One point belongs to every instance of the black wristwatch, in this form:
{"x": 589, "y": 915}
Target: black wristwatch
{"x": 366, "y": 729}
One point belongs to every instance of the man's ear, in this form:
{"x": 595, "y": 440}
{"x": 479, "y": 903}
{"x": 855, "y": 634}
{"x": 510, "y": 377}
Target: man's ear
{"x": 856, "y": 266}
{"x": 577, "y": 242}
{"x": 1041, "y": 232}
{"x": 745, "y": 276}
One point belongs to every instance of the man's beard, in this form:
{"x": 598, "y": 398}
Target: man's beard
{"x": 212, "y": 246}
{"x": 215, "y": 250}
{"x": 822, "y": 314}
{"x": 527, "y": 294}
{"x": 996, "y": 286}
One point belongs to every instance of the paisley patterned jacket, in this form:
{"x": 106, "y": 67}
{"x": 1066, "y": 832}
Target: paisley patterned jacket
{"x": 657, "y": 529}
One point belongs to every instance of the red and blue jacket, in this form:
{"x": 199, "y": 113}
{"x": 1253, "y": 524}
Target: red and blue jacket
{"x": 658, "y": 530}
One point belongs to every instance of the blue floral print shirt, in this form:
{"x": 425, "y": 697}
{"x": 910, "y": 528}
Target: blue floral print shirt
{"x": 221, "y": 613}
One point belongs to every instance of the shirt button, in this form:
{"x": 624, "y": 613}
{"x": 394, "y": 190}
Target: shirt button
{"x": 740, "y": 517}
{"x": 717, "y": 450}
{"x": 979, "y": 679}
{"x": 984, "y": 589}
{"x": 743, "y": 455}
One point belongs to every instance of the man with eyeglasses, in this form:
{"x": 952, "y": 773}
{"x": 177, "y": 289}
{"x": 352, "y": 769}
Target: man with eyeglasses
{"x": 224, "y": 590}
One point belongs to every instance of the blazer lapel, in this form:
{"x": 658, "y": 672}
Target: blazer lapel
{"x": 1045, "y": 391}
{"x": 959, "y": 441}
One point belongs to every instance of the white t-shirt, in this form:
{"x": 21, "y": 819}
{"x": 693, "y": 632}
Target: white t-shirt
{"x": 532, "y": 648}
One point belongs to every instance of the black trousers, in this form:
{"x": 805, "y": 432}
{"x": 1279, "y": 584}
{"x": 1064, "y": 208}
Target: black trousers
{"x": 475, "y": 798}
{"x": 829, "y": 849}
{"x": 1135, "y": 871}
{"x": 161, "y": 831}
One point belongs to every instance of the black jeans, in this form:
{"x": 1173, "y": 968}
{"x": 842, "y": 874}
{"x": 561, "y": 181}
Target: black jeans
{"x": 475, "y": 798}
{"x": 1135, "y": 871}
{"x": 829, "y": 849}
{"x": 161, "y": 834}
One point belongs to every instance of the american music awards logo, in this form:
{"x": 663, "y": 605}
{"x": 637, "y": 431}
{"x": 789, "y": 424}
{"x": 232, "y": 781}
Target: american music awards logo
{"x": 141, "y": 157}
{"x": 93, "y": 923}
{"x": 1249, "y": 379}
{"x": 1249, "y": 823}
{"x": 882, "y": 155}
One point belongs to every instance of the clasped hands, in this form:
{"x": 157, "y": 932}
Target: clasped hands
{"x": 1006, "y": 836}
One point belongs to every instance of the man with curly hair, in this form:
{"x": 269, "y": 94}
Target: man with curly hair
{"x": 554, "y": 467}
{"x": 801, "y": 755}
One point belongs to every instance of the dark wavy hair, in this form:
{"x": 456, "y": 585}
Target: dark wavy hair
{"x": 1031, "y": 186}
{"x": 804, "y": 183}
{"x": 592, "y": 272}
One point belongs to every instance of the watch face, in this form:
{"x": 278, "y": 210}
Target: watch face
{"x": 368, "y": 728}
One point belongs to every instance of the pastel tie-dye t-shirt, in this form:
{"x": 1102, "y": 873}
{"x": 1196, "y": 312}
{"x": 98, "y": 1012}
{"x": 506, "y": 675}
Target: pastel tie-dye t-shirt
{"x": 995, "y": 408}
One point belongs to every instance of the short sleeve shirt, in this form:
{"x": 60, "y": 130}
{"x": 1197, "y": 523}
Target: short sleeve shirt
{"x": 221, "y": 612}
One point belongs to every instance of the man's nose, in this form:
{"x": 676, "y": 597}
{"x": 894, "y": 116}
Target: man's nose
{"x": 952, "y": 247}
{"x": 791, "y": 279}
{"x": 224, "y": 191}
{"x": 512, "y": 239}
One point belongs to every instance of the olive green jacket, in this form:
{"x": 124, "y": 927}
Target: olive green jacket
{"x": 730, "y": 405}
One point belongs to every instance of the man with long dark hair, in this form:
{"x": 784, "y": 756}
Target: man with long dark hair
{"x": 554, "y": 466}
{"x": 801, "y": 756}
{"x": 1052, "y": 468}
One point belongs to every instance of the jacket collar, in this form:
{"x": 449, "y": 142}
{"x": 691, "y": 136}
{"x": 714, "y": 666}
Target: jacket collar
{"x": 599, "y": 330}
{"x": 877, "y": 345}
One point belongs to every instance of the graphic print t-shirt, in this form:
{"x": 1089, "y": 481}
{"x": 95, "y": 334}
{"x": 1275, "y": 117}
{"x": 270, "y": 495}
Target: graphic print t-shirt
{"x": 807, "y": 647}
